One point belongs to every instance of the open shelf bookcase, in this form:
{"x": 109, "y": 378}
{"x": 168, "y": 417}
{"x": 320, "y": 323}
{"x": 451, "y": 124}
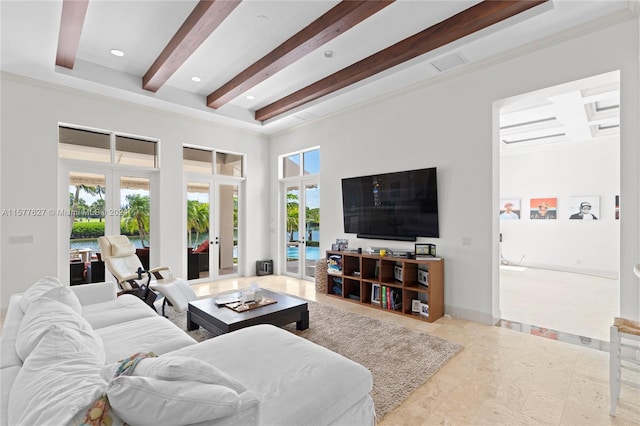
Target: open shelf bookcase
{"x": 355, "y": 277}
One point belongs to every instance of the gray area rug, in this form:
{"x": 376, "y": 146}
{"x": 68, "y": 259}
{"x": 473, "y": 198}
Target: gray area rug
{"x": 400, "y": 359}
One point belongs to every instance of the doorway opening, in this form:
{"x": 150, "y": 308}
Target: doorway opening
{"x": 559, "y": 204}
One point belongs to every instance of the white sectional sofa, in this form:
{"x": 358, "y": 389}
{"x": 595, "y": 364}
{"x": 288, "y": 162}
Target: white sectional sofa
{"x": 61, "y": 347}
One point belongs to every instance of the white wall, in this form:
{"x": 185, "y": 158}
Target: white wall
{"x": 29, "y": 174}
{"x": 449, "y": 124}
{"x": 584, "y": 168}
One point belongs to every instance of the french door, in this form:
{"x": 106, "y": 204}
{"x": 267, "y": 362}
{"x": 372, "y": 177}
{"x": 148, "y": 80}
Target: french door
{"x": 212, "y": 240}
{"x": 302, "y": 227}
{"x": 96, "y": 201}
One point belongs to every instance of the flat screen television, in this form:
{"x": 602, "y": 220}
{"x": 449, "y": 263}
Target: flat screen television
{"x": 393, "y": 206}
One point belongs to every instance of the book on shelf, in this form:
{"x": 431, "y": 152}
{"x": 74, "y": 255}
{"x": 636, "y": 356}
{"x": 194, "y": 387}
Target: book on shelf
{"x": 388, "y": 306}
{"x": 396, "y": 300}
{"x": 384, "y": 296}
{"x": 334, "y": 264}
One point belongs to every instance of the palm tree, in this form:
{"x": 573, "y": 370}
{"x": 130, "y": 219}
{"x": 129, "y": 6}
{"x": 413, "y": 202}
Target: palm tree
{"x": 136, "y": 216}
{"x": 293, "y": 206}
{"x": 99, "y": 204}
{"x": 197, "y": 219}
{"x": 76, "y": 200}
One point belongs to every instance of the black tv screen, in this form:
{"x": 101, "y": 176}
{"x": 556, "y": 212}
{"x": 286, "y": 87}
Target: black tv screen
{"x": 397, "y": 206}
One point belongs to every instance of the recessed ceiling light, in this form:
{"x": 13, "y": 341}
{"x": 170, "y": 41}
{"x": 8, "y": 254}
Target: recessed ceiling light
{"x": 116, "y": 52}
{"x": 328, "y": 54}
{"x": 251, "y": 97}
{"x": 196, "y": 79}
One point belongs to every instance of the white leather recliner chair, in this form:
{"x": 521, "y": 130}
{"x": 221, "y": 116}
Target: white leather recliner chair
{"x": 119, "y": 256}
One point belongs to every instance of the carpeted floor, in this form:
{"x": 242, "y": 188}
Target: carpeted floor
{"x": 400, "y": 359}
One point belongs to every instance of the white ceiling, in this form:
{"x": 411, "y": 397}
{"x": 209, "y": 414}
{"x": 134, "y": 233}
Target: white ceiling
{"x": 143, "y": 28}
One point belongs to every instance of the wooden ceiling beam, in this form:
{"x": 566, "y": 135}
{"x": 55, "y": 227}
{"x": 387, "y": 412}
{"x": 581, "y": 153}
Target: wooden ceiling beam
{"x": 336, "y": 21}
{"x": 203, "y": 20}
{"x": 71, "y": 23}
{"x": 469, "y": 21}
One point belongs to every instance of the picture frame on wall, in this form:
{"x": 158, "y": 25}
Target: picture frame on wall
{"x": 543, "y": 208}
{"x": 584, "y": 208}
{"x": 509, "y": 208}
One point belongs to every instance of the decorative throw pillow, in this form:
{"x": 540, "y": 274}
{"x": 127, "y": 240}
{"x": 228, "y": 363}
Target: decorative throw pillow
{"x": 41, "y": 286}
{"x": 178, "y": 368}
{"x": 60, "y": 378}
{"x": 65, "y": 296}
{"x": 45, "y": 312}
{"x": 147, "y": 401}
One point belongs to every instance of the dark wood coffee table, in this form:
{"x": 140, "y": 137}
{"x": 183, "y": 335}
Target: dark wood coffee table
{"x": 220, "y": 319}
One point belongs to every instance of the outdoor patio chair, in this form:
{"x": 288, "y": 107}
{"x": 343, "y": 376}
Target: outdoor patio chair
{"x": 120, "y": 258}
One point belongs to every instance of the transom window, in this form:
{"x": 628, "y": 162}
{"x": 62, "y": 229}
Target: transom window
{"x": 198, "y": 160}
{"x": 301, "y": 163}
{"x": 106, "y": 147}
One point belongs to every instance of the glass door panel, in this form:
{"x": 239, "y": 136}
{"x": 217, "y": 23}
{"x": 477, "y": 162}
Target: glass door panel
{"x": 198, "y": 225}
{"x": 292, "y": 237}
{"x": 226, "y": 240}
{"x": 312, "y": 228}
{"x": 135, "y": 214}
{"x": 87, "y": 192}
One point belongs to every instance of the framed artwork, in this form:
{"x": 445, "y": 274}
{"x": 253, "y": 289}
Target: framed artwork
{"x": 375, "y": 294}
{"x": 584, "y": 208}
{"x": 617, "y": 207}
{"x": 543, "y": 208}
{"x": 343, "y": 244}
{"x": 509, "y": 208}
{"x": 415, "y": 306}
{"x": 424, "y": 309}
{"x": 425, "y": 250}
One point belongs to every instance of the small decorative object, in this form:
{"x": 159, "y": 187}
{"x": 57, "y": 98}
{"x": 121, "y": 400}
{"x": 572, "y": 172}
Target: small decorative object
{"x": 423, "y": 277}
{"x": 415, "y": 306}
{"x": 397, "y": 273}
{"x": 425, "y": 251}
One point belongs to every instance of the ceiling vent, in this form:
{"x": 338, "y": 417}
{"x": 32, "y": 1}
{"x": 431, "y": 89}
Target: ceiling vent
{"x": 448, "y": 62}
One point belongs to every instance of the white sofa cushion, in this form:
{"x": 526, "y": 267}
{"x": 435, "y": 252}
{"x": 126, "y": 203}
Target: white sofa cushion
{"x": 59, "y": 378}
{"x": 154, "y": 334}
{"x": 123, "y": 309}
{"x": 66, "y": 296}
{"x": 10, "y": 326}
{"x": 178, "y": 368}
{"x": 42, "y": 313}
{"x": 8, "y": 376}
{"x": 147, "y": 401}
{"x": 279, "y": 366}
{"x": 40, "y": 287}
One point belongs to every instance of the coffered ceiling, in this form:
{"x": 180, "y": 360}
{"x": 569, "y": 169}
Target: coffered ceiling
{"x": 270, "y": 65}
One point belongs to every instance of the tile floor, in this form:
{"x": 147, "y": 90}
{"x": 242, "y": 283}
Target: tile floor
{"x": 502, "y": 377}
{"x": 577, "y": 304}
